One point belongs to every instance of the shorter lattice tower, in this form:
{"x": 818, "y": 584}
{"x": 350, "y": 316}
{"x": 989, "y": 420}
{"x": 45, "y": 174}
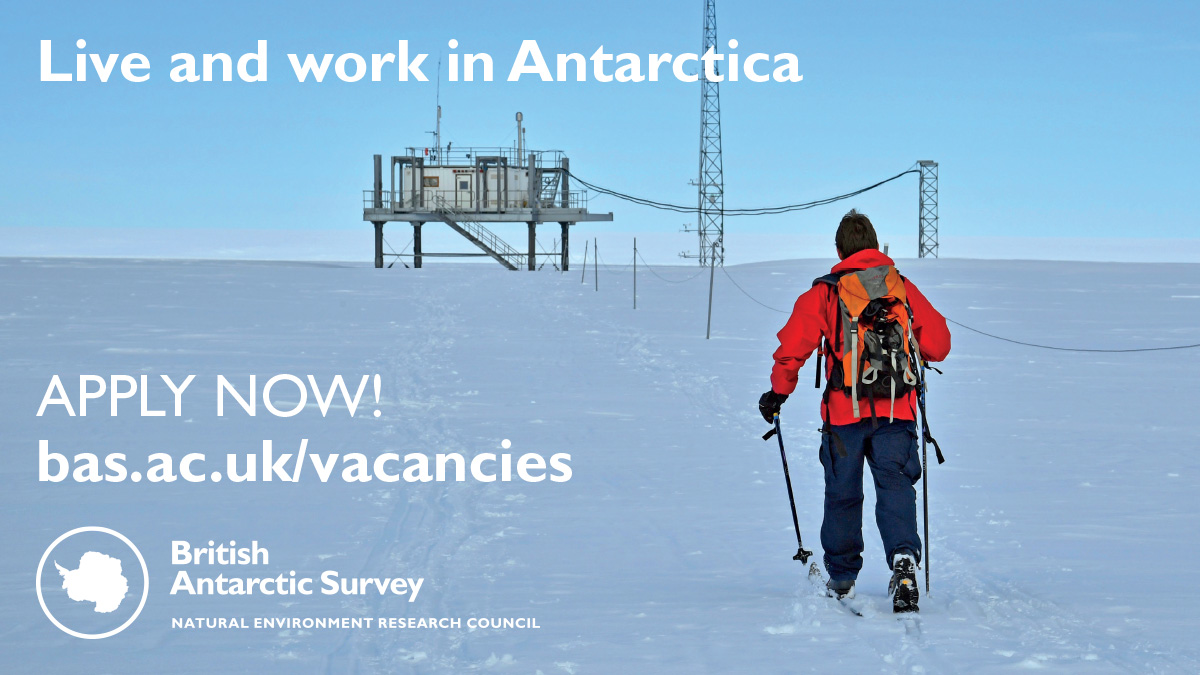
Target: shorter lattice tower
{"x": 928, "y": 236}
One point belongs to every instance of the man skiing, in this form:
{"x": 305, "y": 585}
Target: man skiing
{"x": 874, "y": 327}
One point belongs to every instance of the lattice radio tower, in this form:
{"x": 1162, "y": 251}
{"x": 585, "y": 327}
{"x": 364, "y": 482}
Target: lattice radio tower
{"x": 928, "y": 214}
{"x": 711, "y": 183}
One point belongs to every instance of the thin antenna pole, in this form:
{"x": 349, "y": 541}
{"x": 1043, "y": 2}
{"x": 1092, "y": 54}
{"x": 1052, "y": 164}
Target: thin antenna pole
{"x": 437, "y": 134}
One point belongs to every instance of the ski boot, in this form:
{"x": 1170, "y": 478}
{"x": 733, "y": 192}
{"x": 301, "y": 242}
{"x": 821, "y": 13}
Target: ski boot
{"x": 903, "y": 587}
{"x": 842, "y": 590}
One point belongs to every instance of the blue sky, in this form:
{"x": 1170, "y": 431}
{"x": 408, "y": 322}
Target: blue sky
{"x": 1065, "y": 119}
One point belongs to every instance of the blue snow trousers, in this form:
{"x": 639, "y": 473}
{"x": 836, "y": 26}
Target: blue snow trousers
{"x": 891, "y": 451}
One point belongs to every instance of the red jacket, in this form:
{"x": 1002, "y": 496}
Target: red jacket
{"x": 814, "y": 316}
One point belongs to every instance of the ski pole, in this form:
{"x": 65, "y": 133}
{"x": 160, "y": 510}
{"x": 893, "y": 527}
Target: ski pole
{"x": 924, "y": 483}
{"x": 926, "y": 437}
{"x": 802, "y": 554}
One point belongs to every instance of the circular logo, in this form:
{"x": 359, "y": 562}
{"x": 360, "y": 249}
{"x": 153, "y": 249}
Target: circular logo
{"x": 88, "y": 585}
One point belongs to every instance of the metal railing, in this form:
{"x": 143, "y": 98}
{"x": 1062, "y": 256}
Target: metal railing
{"x": 481, "y": 233}
{"x": 403, "y": 200}
{"x": 451, "y": 156}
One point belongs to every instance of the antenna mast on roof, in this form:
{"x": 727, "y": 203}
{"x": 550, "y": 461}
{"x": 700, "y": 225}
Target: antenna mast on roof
{"x": 437, "y": 134}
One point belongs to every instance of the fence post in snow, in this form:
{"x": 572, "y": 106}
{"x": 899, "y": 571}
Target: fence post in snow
{"x": 712, "y": 268}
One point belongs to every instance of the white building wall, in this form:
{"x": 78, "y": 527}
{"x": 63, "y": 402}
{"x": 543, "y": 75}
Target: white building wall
{"x": 460, "y": 187}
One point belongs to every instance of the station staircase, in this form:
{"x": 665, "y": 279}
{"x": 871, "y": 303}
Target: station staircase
{"x": 461, "y": 222}
{"x": 549, "y": 193}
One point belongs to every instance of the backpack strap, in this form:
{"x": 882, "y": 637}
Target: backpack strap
{"x": 831, "y": 279}
{"x": 836, "y": 444}
{"x": 820, "y": 350}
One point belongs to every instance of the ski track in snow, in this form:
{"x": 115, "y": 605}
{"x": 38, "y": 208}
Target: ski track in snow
{"x": 1022, "y": 632}
{"x": 665, "y": 552}
{"x": 421, "y": 533}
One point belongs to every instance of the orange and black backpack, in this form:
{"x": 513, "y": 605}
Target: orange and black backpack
{"x": 874, "y": 352}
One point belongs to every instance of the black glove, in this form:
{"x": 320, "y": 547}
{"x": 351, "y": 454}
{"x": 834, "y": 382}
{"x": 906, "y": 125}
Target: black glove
{"x": 769, "y": 404}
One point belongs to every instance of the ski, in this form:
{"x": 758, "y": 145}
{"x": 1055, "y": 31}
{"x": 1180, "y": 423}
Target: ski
{"x": 846, "y": 603}
{"x": 817, "y": 578}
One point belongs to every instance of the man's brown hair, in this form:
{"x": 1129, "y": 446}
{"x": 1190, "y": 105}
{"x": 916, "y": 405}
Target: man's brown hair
{"x": 855, "y": 233}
